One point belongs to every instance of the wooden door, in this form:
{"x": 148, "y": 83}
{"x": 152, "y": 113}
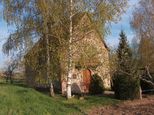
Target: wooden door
{"x": 86, "y": 80}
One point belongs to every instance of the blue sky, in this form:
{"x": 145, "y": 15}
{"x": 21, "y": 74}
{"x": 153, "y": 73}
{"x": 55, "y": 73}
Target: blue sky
{"x": 3, "y": 35}
{"x": 112, "y": 40}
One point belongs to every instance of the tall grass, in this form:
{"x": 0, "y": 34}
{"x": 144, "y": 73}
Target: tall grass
{"x": 17, "y": 100}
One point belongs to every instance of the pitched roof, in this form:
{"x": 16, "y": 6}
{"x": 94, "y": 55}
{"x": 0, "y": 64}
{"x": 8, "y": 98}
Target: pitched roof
{"x": 78, "y": 18}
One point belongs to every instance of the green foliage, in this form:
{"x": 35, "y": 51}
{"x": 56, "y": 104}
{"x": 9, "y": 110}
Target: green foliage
{"x": 17, "y": 100}
{"x": 96, "y": 85}
{"x": 34, "y": 17}
{"x": 50, "y": 19}
{"x": 126, "y": 79}
{"x": 126, "y": 87}
{"x": 88, "y": 56}
{"x": 124, "y": 54}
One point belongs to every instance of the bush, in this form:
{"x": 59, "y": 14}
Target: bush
{"x": 126, "y": 87}
{"x": 96, "y": 86}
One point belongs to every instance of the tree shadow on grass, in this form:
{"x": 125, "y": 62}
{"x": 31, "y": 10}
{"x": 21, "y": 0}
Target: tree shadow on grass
{"x": 43, "y": 90}
{"x": 19, "y": 83}
{"x": 3, "y": 84}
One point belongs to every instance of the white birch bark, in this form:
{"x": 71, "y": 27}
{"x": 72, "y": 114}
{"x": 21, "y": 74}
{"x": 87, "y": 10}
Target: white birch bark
{"x": 140, "y": 91}
{"x": 69, "y": 53}
{"x": 48, "y": 64}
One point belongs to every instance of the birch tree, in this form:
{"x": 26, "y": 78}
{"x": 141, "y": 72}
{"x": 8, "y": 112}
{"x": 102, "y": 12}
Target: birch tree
{"x": 99, "y": 18}
{"x": 45, "y": 14}
{"x": 143, "y": 25}
{"x": 69, "y": 52}
{"x": 37, "y": 18}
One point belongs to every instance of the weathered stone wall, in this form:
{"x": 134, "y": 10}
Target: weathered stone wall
{"x": 88, "y": 48}
{"x": 87, "y": 38}
{"x": 93, "y": 39}
{"x": 35, "y": 64}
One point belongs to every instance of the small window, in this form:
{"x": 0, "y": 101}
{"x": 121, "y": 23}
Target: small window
{"x": 74, "y": 76}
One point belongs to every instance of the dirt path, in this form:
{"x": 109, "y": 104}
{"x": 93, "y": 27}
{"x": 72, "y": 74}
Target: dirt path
{"x": 136, "y": 107}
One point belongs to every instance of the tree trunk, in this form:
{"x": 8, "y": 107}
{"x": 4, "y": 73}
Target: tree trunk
{"x": 48, "y": 55}
{"x": 52, "y": 90}
{"x": 140, "y": 92}
{"x": 69, "y": 95}
{"x": 11, "y": 79}
{"x": 48, "y": 65}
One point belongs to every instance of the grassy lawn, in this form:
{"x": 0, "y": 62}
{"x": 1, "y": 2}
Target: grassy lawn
{"x": 16, "y": 100}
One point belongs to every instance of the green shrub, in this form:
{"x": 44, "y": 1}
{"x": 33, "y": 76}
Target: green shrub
{"x": 126, "y": 87}
{"x": 96, "y": 86}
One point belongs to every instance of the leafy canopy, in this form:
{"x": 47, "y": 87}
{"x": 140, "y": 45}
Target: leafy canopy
{"x": 29, "y": 17}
